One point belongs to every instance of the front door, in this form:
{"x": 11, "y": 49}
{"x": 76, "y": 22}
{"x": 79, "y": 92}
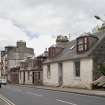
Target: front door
{"x": 60, "y": 74}
{"x": 23, "y": 77}
{"x": 36, "y": 78}
{"x": 33, "y": 77}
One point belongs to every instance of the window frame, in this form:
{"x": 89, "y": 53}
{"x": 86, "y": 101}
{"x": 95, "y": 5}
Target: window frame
{"x": 84, "y": 44}
{"x": 76, "y": 74}
{"x": 48, "y": 71}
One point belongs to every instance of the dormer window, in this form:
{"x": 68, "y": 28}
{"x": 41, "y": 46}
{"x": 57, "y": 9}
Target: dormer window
{"x": 82, "y": 44}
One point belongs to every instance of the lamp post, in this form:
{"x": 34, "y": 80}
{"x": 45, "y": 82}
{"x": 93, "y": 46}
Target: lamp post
{"x": 103, "y": 25}
{"x": 98, "y": 18}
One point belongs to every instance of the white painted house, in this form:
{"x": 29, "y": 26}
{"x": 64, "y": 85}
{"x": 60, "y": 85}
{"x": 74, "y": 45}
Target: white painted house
{"x": 74, "y": 63}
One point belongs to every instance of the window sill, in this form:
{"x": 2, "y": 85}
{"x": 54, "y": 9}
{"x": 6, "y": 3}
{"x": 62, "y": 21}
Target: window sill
{"x": 77, "y": 78}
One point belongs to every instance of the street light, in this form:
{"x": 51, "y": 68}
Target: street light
{"x": 97, "y": 17}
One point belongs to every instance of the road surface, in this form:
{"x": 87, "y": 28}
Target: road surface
{"x": 33, "y": 96}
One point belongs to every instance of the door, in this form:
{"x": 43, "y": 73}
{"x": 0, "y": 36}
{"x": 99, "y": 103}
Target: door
{"x": 33, "y": 77}
{"x": 23, "y": 77}
{"x": 60, "y": 74}
{"x": 36, "y": 78}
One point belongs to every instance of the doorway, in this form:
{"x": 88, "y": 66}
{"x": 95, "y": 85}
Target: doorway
{"x": 23, "y": 77}
{"x": 33, "y": 77}
{"x": 60, "y": 74}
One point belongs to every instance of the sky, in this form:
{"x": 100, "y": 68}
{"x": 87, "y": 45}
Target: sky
{"x": 38, "y": 22}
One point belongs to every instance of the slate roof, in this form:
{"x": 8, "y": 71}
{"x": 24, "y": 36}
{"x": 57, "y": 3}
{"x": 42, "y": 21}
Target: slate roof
{"x": 69, "y": 52}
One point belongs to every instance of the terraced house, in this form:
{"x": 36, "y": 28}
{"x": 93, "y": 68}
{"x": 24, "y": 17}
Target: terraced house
{"x": 75, "y": 63}
{"x": 31, "y": 70}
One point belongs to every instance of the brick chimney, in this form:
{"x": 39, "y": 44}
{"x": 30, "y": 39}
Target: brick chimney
{"x": 54, "y": 51}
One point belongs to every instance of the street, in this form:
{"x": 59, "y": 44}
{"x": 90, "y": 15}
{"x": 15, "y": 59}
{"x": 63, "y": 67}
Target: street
{"x": 33, "y": 96}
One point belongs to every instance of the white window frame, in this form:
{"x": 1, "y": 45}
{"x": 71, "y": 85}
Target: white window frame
{"x": 77, "y": 77}
{"x": 48, "y": 71}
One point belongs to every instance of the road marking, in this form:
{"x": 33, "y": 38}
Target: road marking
{"x": 34, "y": 94}
{"x": 6, "y": 100}
{"x": 66, "y": 102}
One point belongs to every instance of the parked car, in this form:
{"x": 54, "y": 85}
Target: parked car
{"x": 3, "y": 81}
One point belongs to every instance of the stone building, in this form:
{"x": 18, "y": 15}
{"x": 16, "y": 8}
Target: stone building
{"x": 75, "y": 63}
{"x": 11, "y": 57}
{"x": 0, "y": 69}
{"x": 3, "y": 64}
{"x": 31, "y": 70}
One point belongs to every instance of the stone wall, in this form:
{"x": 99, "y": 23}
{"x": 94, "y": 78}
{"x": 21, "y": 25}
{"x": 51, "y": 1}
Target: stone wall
{"x": 27, "y": 80}
{"x": 69, "y": 78}
{"x": 53, "y": 79}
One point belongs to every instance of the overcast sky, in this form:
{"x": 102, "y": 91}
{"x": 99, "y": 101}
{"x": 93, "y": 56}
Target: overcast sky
{"x": 38, "y": 22}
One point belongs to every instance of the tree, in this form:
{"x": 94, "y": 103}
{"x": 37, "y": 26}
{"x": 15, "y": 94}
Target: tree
{"x": 102, "y": 69}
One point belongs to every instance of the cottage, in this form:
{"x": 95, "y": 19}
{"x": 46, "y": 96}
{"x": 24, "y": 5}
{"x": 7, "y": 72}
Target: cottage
{"x": 75, "y": 63}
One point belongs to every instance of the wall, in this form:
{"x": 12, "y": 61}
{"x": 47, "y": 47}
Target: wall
{"x": 0, "y": 72}
{"x": 86, "y": 69}
{"x": 15, "y": 58}
{"x": 21, "y": 78}
{"x": 27, "y": 81}
{"x": 53, "y": 80}
{"x": 69, "y": 78}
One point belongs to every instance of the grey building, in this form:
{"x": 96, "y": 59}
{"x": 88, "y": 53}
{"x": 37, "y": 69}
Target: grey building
{"x": 12, "y": 56}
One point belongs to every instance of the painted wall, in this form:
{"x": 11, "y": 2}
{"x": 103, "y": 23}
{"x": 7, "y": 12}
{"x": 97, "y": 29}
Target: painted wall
{"x": 21, "y": 78}
{"x": 69, "y": 78}
{"x": 86, "y": 71}
{"x": 27, "y": 81}
{"x": 53, "y": 80}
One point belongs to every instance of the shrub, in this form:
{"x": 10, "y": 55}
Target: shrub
{"x": 102, "y": 69}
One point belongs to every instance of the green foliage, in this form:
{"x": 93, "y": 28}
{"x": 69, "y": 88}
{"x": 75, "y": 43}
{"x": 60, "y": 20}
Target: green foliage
{"x": 102, "y": 69}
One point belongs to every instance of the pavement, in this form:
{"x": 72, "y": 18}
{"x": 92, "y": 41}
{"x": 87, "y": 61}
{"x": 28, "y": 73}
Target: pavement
{"x": 24, "y": 95}
{"x": 97, "y": 92}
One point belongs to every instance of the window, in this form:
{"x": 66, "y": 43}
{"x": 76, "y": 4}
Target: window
{"x": 82, "y": 44}
{"x": 77, "y": 68}
{"x": 80, "y": 47}
{"x": 38, "y": 75}
{"x": 48, "y": 71}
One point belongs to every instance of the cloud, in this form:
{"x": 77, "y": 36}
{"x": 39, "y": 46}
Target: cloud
{"x": 40, "y": 21}
{"x": 9, "y": 34}
{"x": 46, "y": 40}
